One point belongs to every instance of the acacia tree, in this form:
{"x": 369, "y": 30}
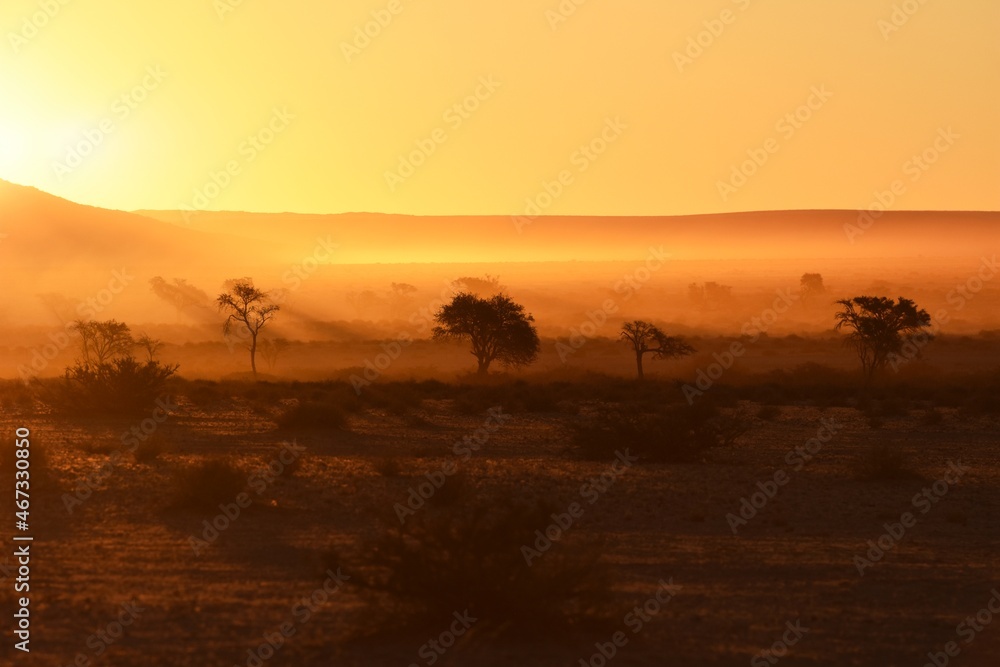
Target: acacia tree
{"x": 150, "y": 345}
{"x": 182, "y": 295}
{"x": 879, "y": 328}
{"x": 812, "y": 284}
{"x": 646, "y": 338}
{"x": 101, "y": 342}
{"x": 250, "y": 309}
{"x": 497, "y": 327}
{"x": 486, "y": 286}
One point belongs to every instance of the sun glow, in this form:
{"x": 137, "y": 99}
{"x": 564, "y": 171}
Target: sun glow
{"x": 13, "y": 153}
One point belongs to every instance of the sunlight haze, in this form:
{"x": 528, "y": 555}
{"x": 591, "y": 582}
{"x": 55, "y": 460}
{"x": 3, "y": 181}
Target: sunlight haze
{"x": 181, "y": 88}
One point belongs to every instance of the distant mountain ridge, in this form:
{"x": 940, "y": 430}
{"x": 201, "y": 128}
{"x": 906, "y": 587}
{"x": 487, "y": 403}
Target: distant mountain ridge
{"x": 42, "y": 230}
{"x": 373, "y": 237}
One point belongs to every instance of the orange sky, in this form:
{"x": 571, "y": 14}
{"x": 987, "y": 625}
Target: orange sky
{"x": 307, "y": 117}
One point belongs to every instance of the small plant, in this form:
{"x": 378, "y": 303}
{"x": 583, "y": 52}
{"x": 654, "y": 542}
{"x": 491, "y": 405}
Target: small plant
{"x": 456, "y": 489}
{"x": 150, "y": 449}
{"x": 203, "y": 486}
{"x": 312, "y": 414}
{"x": 468, "y": 556}
{"x": 768, "y": 412}
{"x": 672, "y": 434}
{"x": 932, "y": 417}
{"x": 388, "y": 467}
{"x": 884, "y": 463}
{"x": 15, "y": 395}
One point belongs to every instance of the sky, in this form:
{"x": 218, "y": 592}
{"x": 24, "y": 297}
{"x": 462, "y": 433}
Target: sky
{"x": 535, "y": 107}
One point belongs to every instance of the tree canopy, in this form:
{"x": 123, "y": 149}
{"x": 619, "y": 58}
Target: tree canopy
{"x": 646, "y": 338}
{"x": 879, "y": 327}
{"x": 497, "y": 327}
{"x": 250, "y": 309}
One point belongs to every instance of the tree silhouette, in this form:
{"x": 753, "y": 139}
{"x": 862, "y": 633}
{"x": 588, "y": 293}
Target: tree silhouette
{"x": 879, "y": 328}
{"x": 364, "y": 302}
{"x": 710, "y": 294}
{"x": 811, "y": 284}
{"x": 182, "y": 295}
{"x": 646, "y": 338}
{"x": 150, "y": 345}
{"x": 101, "y": 342}
{"x": 486, "y": 286}
{"x": 497, "y": 327}
{"x": 250, "y": 309}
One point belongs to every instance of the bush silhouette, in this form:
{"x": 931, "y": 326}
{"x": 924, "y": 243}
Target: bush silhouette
{"x": 671, "y": 434}
{"x": 457, "y": 556}
{"x": 122, "y": 386}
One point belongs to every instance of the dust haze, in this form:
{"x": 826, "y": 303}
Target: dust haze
{"x": 709, "y": 278}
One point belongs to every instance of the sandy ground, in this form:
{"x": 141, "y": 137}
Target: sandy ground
{"x": 793, "y": 563}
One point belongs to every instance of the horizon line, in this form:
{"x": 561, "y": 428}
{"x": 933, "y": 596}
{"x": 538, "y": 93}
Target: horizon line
{"x": 139, "y": 211}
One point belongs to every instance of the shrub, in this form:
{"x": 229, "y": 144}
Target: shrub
{"x": 388, "y": 467}
{"x": 768, "y": 412}
{"x": 122, "y": 386}
{"x": 467, "y": 556}
{"x": 313, "y": 414}
{"x": 673, "y": 434}
{"x": 15, "y": 395}
{"x": 932, "y": 417}
{"x": 883, "y": 463}
{"x": 149, "y": 449}
{"x": 203, "y": 486}
{"x": 456, "y": 489}
{"x": 204, "y": 394}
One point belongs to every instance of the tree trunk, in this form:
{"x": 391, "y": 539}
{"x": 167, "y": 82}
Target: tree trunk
{"x": 638, "y": 364}
{"x": 484, "y": 366}
{"x": 253, "y": 354}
